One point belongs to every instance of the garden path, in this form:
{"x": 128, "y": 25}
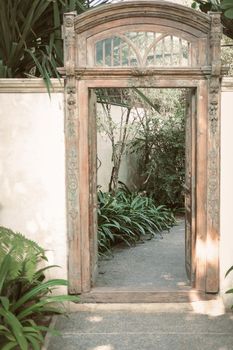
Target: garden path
{"x": 155, "y": 264}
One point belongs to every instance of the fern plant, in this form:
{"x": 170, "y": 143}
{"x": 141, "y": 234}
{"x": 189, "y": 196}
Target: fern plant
{"x": 25, "y": 295}
{"x": 25, "y": 255}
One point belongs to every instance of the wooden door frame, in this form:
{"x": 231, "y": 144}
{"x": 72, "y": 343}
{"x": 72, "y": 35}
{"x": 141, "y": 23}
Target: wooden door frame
{"x": 190, "y": 184}
{"x": 204, "y": 78}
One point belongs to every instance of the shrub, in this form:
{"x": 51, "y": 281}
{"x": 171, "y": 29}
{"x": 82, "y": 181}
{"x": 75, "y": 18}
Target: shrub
{"x": 128, "y": 217}
{"x": 31, "y": 38}
{"x": 25, "y": 295}
{"x": 160, "y": 147}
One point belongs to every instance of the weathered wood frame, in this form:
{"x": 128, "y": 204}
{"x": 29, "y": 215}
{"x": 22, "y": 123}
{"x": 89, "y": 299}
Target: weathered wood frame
{"x": 81, "y": 75}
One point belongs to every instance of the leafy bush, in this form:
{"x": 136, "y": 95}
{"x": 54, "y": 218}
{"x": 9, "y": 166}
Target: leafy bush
{"x": 160, "y": 147}
{"x": 128, "y": 217}
{"x": 24, "y": 294}
{"x": 31, "y": 38}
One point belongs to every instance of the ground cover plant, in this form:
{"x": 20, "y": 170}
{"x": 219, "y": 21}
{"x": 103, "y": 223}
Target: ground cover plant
{"x": 25, "y": 294}
{"x": 129, "y": 217}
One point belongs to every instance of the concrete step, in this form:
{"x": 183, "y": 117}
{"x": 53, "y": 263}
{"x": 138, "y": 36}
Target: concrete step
{"x": 144, "y": 327}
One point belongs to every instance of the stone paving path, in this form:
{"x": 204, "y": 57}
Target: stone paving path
{"x": 157, "y": 264}
{"x": 185, "y": 326}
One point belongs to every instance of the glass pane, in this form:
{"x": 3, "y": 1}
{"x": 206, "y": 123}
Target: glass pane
{"x": 99, "y": 53}
{"x": 143, "y": 49}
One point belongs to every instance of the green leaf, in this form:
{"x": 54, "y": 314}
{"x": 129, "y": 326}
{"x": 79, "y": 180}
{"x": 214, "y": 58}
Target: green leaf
{"x": 4, "y": 269}
{"x": 34, "y": 329}
{"x": 35, "y": 343}
{"x": 5, "y": 302}
{"x": 228, "y": 271}
{"x": 41, "y": 271}
{"x": 3, "y": 328}
{"x": 194, "y": 5}
{"x": 9, "y": 346}
{"x": 229, "y": 291}
{"x": 42, "y": 71}
{"x": 37, "y": 290}
{"x": 39, "y": 306}
{"x": 229, "y": 13}
{"x": 225, "y": 4}
{"x": 16, "y": 327}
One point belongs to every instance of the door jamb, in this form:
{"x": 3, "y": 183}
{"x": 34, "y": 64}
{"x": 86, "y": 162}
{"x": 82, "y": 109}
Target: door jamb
{"x": 201, "y": 88}
{"x": 207, "y": 79}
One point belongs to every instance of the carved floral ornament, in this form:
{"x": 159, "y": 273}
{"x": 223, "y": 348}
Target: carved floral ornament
{"x": 71, "y": 126}
{"x": 214, "y": 87}
{"x": 215, "y": 38}
{"x": 70, "y": 68}
{"x": 71, "y": 101}
{"x": 216, "y": 29}
{"x": 213, "y": 185}
{"x": 214, "y": 114}
{"x": 216, "y": 25}
{"x": 69, "y": 21}
{"x": 72, "y": 169}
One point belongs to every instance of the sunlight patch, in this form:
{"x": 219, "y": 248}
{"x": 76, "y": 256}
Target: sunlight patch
{"x": 211, "y": 307}
{"x": 103, "y": 347}
{"x": 95, "y": 318}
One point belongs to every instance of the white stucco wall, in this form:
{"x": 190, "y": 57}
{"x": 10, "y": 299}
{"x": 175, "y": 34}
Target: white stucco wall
{"x": 32, "y": 172}
{"x": 32, "y": 167}
{"x": 128, "y": 168}
{"x": 226, "y": 233}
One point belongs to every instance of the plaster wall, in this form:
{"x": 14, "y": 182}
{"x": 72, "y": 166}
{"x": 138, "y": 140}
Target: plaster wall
{"x": 226, "y": 233}
{"x": 32, "y": 171}
{"x": 32, "y": 167}
{"x": 128, "y": 168}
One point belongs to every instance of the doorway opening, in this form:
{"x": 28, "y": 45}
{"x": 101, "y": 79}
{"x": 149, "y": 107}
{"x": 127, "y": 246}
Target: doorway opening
{"x": 145, "y": 158}
{"x": 163, "y": 46}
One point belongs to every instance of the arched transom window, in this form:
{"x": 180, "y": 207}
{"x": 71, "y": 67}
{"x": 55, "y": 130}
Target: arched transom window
{"x": 143, "y": 49}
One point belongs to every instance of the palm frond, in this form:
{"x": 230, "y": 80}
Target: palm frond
{"x": 31, "y": 38}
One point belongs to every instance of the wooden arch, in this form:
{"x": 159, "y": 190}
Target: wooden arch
{"x": 195, "y": 65}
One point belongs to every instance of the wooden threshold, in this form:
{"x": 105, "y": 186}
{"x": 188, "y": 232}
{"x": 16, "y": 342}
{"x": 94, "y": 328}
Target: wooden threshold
{"x": 144, "y": 296}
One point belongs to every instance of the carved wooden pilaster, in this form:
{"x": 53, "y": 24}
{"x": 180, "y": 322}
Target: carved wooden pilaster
{"x": 214, "y": 123}
{"x": 72, "y": 157}
{"x": 213, "y": 154}
{"x": 213, "y": 168}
